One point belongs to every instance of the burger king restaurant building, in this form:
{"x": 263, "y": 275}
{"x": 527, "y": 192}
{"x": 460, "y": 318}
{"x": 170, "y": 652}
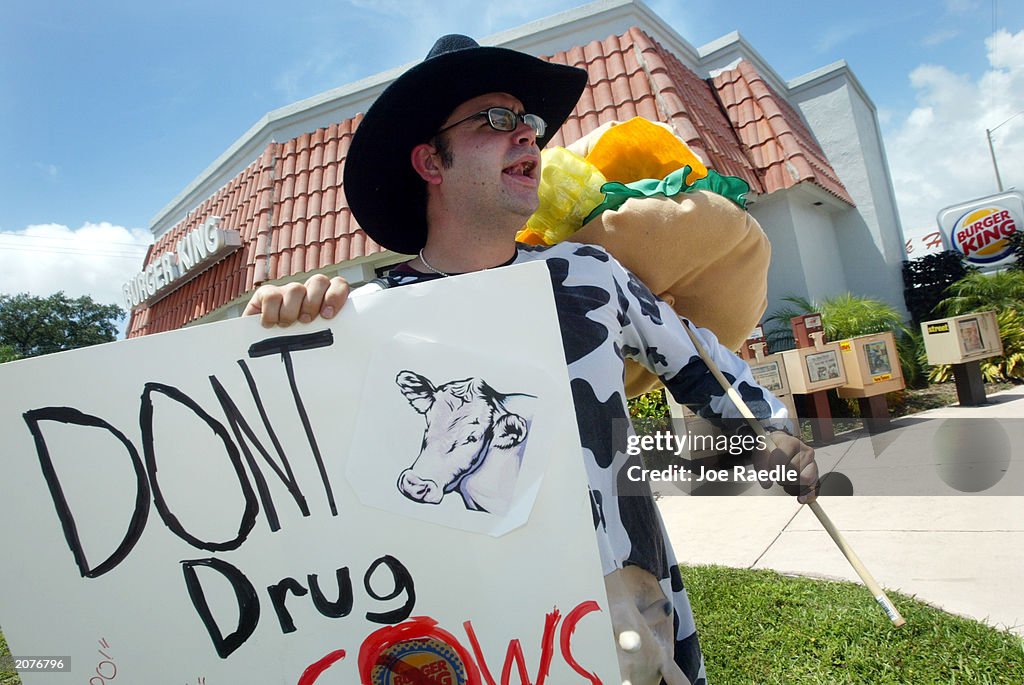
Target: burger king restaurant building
{"x": 272, "y": 207}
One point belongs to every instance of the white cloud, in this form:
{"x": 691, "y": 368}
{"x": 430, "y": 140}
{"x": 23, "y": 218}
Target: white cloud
{"x": 320, "y": 70}
{"x": 939, "y": 37}
{"x": 94, "y": 259}
{"x": 49, "y": 170}
{"x": 1005, "y": 50}
{"x": 834, "y": 36}
{"x": 939, "y": 154}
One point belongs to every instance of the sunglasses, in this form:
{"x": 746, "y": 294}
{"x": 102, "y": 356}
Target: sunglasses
{"x": 504, "y": 119}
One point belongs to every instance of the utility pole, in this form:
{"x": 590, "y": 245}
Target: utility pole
{"x": 992, "y": 150}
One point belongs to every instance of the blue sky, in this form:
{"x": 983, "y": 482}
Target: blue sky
{"x": 110, "y": 108}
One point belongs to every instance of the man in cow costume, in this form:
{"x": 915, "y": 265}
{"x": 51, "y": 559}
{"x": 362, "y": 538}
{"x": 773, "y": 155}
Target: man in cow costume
{"x": 446, "y": 165}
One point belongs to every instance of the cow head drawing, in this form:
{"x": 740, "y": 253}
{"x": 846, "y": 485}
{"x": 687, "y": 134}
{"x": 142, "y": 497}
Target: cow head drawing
{"x": 471, "y": 442}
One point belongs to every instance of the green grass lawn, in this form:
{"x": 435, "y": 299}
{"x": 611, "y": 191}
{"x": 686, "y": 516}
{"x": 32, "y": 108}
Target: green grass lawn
{"x": 764, "y": 628}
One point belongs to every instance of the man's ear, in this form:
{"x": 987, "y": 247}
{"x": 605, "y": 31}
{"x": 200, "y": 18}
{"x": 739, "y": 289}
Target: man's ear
{"x": 427, "y": 163}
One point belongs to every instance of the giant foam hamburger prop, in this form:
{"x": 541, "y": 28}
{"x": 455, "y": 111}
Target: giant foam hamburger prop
{"x": 638, "y": 191}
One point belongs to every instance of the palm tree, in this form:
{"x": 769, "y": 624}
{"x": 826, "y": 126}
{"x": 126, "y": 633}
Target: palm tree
{"x": 978, "y": 292}
{"x": 847, "y": 316}
{"x": 844, "y": 316}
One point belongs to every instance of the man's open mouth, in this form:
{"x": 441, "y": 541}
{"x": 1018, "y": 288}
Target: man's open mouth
{"x": 525, "y": 168}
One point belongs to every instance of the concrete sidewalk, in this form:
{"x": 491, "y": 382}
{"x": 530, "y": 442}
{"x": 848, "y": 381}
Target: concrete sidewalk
{"x": 963, "y": 553}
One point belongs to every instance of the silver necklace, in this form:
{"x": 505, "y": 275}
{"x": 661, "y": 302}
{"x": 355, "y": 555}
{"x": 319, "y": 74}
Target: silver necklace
{"x": 430, "y": 268}
{"x": 438, "y": 271}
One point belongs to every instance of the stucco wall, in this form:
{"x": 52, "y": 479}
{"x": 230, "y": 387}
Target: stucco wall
{"x": 869, "y": 236}
{"x": 820, "y": 250}
{"x": 806, "y": 259}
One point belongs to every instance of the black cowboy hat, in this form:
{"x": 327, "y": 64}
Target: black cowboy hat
{"x": 386, "y": 196}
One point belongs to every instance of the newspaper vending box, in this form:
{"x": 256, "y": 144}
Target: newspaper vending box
{"x": 811, "y": 369}
{"x": 872, "y": 365}
{"x": 962, "y": 339}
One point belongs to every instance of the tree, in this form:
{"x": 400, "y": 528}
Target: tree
{"x": 31, "y": 325}
{"x": 7, "y": 354}
{"x": 847, "y": 316}
{"x": 1017, "y": 243}
{"x": 843, "y": 316}
{"x": 977, "y": 292}
{"x": 925, "y": 281}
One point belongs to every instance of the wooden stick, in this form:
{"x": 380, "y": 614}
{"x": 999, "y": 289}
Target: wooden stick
{"x": 869, "y": 580}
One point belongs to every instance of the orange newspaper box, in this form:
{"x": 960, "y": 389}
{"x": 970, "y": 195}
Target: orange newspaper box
{"x": 872, "y": 365}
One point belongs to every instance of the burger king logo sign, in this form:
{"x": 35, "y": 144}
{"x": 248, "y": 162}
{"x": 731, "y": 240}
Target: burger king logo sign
{"x": 981, "y": 229}
{"x": 982, "y": 234}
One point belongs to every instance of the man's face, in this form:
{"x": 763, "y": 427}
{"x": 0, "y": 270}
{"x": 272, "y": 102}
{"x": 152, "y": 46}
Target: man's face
{"x": 491, "y": 172}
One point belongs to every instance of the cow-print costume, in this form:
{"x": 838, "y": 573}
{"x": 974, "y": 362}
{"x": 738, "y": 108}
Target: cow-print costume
{"x": 606, "y": 314}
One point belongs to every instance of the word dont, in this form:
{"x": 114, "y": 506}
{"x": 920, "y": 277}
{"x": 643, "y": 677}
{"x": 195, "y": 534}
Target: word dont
{"x": 236, "y": 446}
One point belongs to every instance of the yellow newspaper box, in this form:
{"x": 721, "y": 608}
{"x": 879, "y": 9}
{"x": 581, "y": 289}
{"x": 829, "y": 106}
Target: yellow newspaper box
{"x": 872, "y": 365}
{"x": 811, "y": 369}
{"x": 962, "y": 339}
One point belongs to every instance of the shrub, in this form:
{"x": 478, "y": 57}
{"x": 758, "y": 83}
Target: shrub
{"x": 8, "y": 354}
{"x": 847, "y": 316}
{"x": 978, "y": 292}
{"x": 649, "y": 406}
{"x": 1017, "y": 243}
{"x": 925, "y": 281}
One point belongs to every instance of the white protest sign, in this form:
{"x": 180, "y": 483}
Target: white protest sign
{"x": 396, "y": 497}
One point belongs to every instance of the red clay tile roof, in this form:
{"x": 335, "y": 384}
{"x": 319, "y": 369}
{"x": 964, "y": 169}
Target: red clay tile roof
{"x": 289, "y": 205}
{"x": 290, "y": 210}
{"x": 773, "y": 133}
{"x": 632, "y": 75}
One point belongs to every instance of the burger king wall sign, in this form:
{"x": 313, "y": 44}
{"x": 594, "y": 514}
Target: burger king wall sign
{"x": 980, "y": 228}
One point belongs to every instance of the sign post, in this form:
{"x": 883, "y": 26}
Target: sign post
{"x": 814, "y": 368}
